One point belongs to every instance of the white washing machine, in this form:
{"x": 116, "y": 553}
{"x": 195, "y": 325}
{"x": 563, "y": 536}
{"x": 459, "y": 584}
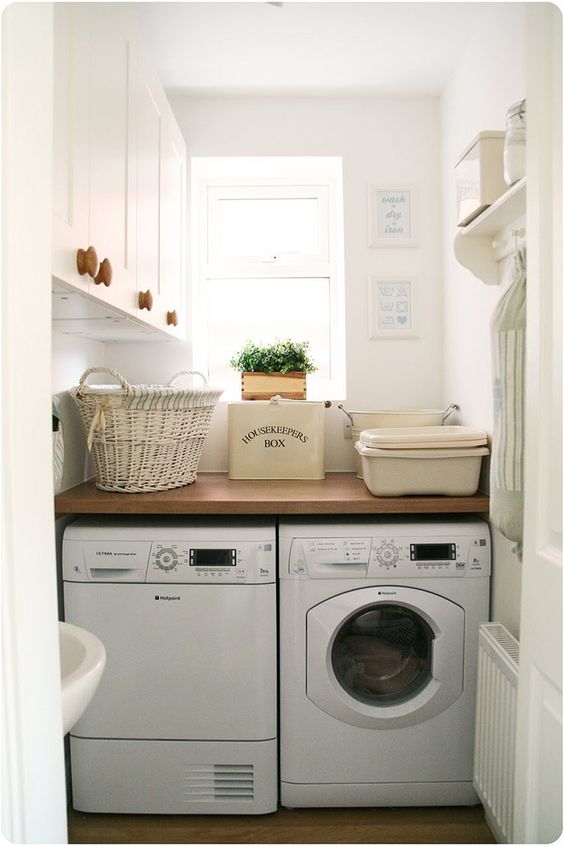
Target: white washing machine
{"x": 379, "y": 637}
{"x": 185, "y": 717}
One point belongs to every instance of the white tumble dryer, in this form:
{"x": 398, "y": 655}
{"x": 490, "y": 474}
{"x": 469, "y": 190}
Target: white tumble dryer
{"x": 185, "y": 717}
{"x": 379, "y": 637}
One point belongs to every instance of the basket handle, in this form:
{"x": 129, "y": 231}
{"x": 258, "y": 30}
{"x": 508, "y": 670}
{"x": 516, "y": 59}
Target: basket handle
{"x": 116, "y": 376}
{"x": 176, "y": 376}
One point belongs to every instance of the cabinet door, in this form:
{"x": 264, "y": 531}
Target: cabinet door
{"x": 150, "y": 124}
{"x": 70, "y": 142}
{"x": 161, "y": 164}
{"x": 111, "y": 95}
{"x": 173, "y": 223}
{"x": 119, "y": 165}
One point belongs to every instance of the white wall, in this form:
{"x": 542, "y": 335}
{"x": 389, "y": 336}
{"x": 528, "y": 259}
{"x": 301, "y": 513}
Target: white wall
{"x": 387, "y": 142}
{"x": 488, "y": 78}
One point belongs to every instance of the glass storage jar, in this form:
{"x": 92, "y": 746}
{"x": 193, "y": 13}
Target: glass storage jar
{"x": 515, "y": 149}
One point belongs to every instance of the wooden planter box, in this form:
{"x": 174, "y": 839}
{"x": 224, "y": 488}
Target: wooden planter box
{"x": 263, "y": 386}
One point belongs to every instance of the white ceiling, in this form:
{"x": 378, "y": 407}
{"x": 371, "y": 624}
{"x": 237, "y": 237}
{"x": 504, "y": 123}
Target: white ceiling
{"x": 316, "y": 48}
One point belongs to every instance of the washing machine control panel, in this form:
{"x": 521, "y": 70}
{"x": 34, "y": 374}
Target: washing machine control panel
{"x": 397, "y": 555}
{"x": 416, "y": 556}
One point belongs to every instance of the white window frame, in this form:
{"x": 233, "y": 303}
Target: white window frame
{"x": 319, "y": 178}
{"x": 270, "y": 190}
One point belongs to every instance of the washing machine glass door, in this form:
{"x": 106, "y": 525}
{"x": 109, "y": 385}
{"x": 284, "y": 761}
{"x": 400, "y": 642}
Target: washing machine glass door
{"x": 385, "y": 658}
{"x": 382, "y": 655}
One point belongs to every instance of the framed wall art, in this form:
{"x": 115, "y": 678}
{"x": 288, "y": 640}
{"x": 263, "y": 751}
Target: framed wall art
{"x": 390, "y": 308}
{"x": 391, "y": 216}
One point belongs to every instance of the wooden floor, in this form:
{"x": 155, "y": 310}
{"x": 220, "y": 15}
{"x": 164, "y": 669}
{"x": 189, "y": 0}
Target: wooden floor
{"x": 354, "y": 825}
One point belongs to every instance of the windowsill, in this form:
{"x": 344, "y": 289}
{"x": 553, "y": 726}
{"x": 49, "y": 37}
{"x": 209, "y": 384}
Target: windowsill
{"x": 312, "y": 396}
{"x": 322, "y": 391}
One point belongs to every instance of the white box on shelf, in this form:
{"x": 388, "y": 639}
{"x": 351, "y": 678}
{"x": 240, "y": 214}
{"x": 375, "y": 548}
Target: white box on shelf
{"x": 479, "y": 175}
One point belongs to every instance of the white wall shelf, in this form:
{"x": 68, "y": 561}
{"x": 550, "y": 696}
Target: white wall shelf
{"x": 482, "y": 244}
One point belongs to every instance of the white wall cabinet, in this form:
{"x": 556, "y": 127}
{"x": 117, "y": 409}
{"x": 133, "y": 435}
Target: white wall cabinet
{"x": 114, "y": 183}
{"x": 70, "y": 144}
{"x": 161, "y": 175}
{"x": 150, "y": 120}
{"x": 111, "y": 100}
{"x": 173, "y": 203}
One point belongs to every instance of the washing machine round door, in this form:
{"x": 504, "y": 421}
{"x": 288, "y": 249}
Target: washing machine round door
{"x": 385, "y": 657}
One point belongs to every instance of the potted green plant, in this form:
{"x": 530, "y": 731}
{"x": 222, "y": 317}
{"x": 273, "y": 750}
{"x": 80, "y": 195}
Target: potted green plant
{"x": 273, "y": 369}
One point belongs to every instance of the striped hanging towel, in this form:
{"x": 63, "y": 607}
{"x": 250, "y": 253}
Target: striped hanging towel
{"x": 508, "y": 349}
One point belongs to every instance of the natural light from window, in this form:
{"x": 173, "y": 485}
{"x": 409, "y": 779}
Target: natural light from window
{"x": 268, "y": 264}
{"x": 255, "y": 227}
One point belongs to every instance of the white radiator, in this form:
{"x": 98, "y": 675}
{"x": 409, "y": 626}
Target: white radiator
{"x": 496, "y": 703}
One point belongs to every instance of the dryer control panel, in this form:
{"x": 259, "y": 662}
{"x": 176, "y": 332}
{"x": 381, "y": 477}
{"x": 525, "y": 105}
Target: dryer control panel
{"x": 168, "y": 554}
{"x": 396, "y": 551}
{"x": 211, "y": 562}
{"x": 170, "y": 561}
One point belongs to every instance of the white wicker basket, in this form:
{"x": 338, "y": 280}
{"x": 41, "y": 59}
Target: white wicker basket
{"x": 145, "y": 437}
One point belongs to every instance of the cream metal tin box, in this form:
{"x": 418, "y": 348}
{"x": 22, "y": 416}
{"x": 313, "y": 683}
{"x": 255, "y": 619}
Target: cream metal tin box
{"x": 276, "y": 439}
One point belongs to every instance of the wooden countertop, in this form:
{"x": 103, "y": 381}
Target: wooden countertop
{"x": 214, "y": 493}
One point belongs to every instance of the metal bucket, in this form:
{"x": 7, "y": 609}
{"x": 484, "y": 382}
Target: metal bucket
{"x": 361, "y": 420}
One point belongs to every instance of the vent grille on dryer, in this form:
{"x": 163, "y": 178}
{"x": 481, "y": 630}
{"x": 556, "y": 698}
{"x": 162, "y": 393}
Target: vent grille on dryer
{"x": 219, "y": 783}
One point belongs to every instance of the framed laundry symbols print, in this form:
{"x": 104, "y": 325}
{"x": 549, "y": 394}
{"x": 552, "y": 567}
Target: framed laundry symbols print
{"x": 390, "y": 308}
{"x": 391, "y": 217}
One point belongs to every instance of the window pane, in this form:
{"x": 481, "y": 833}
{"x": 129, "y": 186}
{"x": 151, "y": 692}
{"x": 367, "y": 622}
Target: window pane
{"x": 263, "y": 310}
{"x": 267, "y": 228}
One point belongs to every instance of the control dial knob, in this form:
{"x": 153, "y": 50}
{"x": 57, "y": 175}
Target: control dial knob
{"x": 387, "y": 554}
{"x": 166, "y": 559}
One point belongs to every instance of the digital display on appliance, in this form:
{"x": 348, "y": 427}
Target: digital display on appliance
{"x": 433, "y": 551}
{"x": 213, "y": 558}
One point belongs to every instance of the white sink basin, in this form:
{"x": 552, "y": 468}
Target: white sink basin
{"x": 83, "y": 658}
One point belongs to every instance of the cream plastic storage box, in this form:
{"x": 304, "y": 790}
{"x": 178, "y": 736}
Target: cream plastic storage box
{"x": 276, "y": 439}
{"x": 479, "y": 176}
{"x": 362, "y": 420}
{"x": 439, "y": 460}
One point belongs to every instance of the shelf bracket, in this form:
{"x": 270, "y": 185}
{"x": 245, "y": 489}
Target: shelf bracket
{"x": 494, "y": 235}
{"x": 477, "y": 254}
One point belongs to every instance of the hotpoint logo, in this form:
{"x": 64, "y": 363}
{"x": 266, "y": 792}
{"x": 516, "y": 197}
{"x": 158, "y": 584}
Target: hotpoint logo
{"x": 166, "y": 598}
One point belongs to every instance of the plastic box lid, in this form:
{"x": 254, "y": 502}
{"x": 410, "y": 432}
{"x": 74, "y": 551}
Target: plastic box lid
{"x": 448, "y": 452}
{"x": 423, "y": 437}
